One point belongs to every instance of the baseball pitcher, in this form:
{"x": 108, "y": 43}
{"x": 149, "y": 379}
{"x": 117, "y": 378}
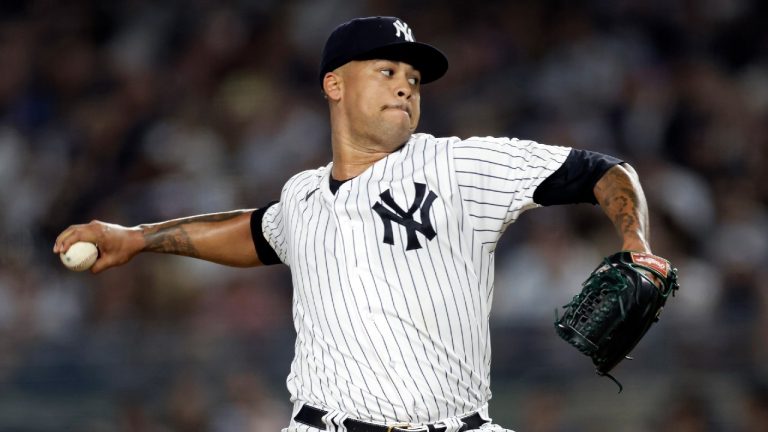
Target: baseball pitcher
{"x": 391, "y": 245}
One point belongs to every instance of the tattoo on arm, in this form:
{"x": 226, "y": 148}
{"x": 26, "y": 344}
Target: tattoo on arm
{"x": 173, "y": 236}
{"x": 621, "y": 202}
{"x": 622, "y": 210}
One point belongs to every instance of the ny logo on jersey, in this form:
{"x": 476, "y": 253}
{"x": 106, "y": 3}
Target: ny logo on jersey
{"x": 405, "y": 218}
{"x": 403, "y": 27}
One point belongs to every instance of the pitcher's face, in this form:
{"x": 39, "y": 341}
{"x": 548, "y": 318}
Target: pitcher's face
{"x": 381, "y": 99}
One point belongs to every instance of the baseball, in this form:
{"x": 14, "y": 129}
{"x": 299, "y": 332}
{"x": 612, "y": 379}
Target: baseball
{"x": 80, "y": 256}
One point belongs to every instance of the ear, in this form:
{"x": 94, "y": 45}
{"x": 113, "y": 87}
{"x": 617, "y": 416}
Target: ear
{"x": 332, "y": 84}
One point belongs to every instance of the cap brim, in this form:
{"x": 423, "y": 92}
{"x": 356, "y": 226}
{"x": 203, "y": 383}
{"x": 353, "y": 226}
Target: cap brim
{"x": 428, "y": 60}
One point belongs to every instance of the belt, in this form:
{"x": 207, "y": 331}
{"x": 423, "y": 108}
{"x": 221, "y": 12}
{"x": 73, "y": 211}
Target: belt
{"x": 312, "y": 416}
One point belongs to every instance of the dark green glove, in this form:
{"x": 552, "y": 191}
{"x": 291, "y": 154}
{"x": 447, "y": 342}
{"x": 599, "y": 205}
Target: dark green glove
{"x": 616, "y": 306}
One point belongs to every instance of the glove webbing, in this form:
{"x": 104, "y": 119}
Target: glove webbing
{"x": 591, "y": 305}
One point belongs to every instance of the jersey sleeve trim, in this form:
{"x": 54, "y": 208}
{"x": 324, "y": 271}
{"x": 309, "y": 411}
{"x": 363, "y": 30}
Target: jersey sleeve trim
{"x": 575, "y": 180}
{"x": 264, "y": 250}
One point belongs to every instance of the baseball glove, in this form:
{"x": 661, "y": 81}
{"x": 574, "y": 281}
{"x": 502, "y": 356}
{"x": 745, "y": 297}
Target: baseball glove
{"x": 617, "y": 304}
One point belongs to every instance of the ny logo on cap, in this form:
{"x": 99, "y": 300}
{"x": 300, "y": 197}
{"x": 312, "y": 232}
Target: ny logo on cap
{"x": 403, "y": 27}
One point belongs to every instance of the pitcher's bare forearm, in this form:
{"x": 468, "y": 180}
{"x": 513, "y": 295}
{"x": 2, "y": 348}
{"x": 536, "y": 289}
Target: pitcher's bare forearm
{"x": 173, "y": 236}
{"x": 224, "y": 238}
{"x": 622, "y": 199}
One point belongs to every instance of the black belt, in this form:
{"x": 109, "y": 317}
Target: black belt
{"x": 312, "y": 416}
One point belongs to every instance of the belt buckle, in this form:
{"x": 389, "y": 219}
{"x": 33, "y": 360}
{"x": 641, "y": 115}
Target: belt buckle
{"x": 403, "y": 426}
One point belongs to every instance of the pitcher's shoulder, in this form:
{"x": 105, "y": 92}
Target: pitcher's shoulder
{"x": 305, "y": 180}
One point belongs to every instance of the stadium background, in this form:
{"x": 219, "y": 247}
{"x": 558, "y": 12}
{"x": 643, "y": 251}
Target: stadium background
{"x": 141, "y": 110}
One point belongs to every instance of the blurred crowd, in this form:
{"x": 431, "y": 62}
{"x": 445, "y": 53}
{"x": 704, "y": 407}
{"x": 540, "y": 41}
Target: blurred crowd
{"x": 138, "y": 111}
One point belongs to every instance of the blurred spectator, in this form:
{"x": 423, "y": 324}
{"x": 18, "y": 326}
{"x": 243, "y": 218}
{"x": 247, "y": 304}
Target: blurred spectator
{"x": 756, "y": 408}
{"x": 248, "y": 407}
{"x": 543, "y": 411}
{"x": 188, "y": 404}
{"x": 686, "y": 412}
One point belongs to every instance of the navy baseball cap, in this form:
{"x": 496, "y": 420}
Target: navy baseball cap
{"x": 387, "y": 38}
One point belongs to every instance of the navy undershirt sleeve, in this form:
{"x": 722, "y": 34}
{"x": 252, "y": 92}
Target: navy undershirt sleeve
{"x": 575, "y": 180}
{"x": 264, "y": 250}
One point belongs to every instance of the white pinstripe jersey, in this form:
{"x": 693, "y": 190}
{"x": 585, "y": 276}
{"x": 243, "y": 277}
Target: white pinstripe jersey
{"x": 391, "y": 304}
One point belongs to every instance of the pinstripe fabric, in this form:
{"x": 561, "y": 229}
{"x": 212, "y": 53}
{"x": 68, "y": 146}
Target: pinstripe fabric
{"x": 388, "y": 334}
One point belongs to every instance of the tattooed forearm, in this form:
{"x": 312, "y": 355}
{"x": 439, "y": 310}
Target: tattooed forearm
{"x": 174, "y": 236}
{"x": 170, "y": 240}
{"x": 621, "y": 197}
{"x": 621, "y": 207}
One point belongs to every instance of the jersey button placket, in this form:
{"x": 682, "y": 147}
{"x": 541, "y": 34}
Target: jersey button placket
{"x": 344, "y": 230}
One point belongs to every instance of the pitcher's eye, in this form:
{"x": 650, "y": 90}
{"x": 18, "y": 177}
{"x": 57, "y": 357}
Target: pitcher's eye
{"x": 413, "y": 81}
{"x": 387, "y": 72}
